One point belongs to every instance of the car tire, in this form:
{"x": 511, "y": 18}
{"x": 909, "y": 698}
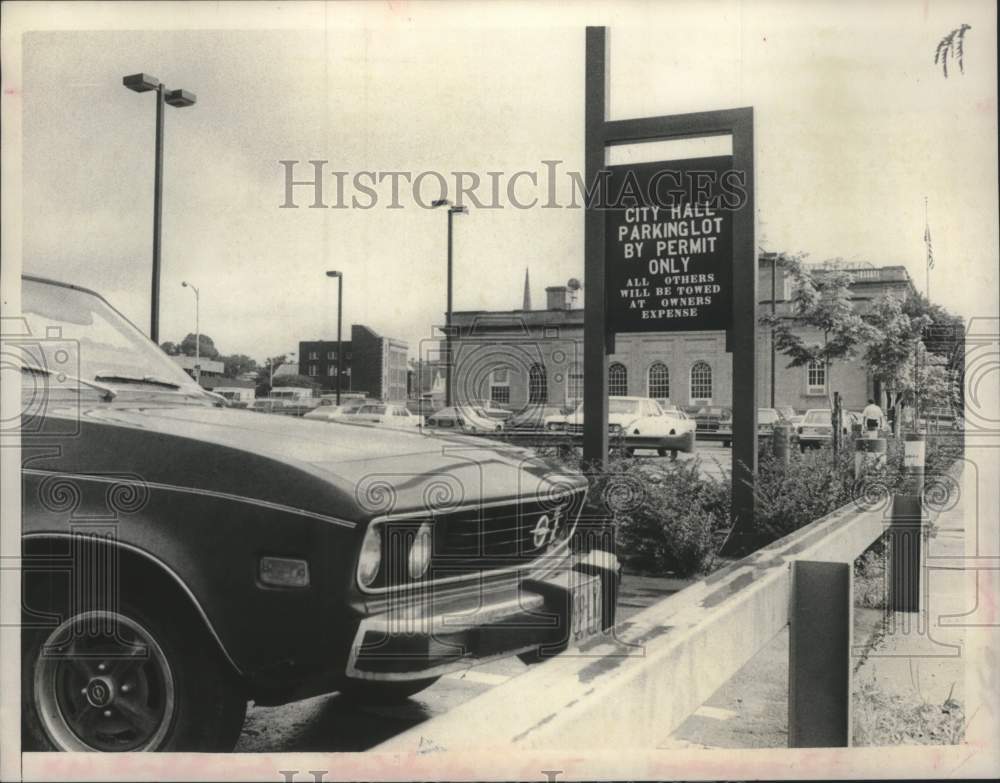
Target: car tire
{"x": 377, "y": 692}
{"x": 179, "y": 694}
{"x": 727, "y": 444}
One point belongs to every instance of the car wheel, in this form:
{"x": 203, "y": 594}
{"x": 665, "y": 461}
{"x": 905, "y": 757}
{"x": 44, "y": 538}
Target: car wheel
{"x": 630, "y": 452}
{"x": 662, "y": 452}
{"x": 126, "y": 680}
{"x": 378, "y": 692}
{"x": 726, "y": 444}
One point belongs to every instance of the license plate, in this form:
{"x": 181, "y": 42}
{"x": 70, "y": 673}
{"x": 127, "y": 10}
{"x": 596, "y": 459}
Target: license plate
{"x": 585, "y": 611}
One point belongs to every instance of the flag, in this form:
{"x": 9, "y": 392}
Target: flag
{"x": 930, "y": 249}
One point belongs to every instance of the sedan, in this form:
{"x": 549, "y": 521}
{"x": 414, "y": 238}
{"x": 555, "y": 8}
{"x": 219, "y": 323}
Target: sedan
{"x": 533, "y": 417}
{"x": 384, "y": 415}
{"x": 817, "y": 428}
{"x": 471, "y": 419}
{"x": 256, "y": 558}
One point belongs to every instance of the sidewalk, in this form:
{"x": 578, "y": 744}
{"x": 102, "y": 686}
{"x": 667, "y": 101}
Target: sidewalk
{"x": 902, "y": 667}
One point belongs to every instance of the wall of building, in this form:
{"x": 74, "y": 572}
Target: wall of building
{"x": 318, "y": 362}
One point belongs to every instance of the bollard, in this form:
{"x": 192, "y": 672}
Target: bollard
{"x": 906, "y": 531}
{"x": 781, "y": 435}
{"x": 868, "y": 453}
{"x": 819, "y": 655}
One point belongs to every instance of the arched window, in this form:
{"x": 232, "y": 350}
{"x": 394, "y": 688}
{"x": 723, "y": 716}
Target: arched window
{"x": 617, "y": 380}
{"x": 659, "y": 381}
{"x": 538, "y": 387}
{"x": 701, "y": 381}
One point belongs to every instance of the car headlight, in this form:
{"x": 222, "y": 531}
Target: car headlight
{"x": 371, "y": 556}
{"x": 420, "y": 552}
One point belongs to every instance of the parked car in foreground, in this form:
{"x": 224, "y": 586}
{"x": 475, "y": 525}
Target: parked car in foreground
{"x": 255, "y": 557}
{"x": 466, "y": 418}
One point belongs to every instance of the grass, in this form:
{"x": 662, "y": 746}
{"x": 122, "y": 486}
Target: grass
{"x": 881, "y": 719}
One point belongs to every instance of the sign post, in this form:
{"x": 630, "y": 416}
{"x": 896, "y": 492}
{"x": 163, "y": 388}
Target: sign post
{"x": 670, "y": 246}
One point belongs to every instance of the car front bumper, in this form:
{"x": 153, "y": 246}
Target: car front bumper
{"x": 681, "y": 442}
{"x": 426, "y": 634}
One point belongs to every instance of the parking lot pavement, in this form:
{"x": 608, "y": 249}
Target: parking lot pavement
{"x": 714, "y": 460}
{"x": 329, "y": 723}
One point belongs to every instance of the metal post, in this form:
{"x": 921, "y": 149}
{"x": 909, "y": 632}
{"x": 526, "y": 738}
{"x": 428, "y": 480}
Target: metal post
{"x": 197, "y": 335}
{"x": 154, "y": 316}
{"x": 340, "y": 342}
{"x": 447, "y": 321}
{"x": 774, "y": 293}
{"x": 836, "y": 420}
{"x": 595, "y": 336}
{"x": 868, "y": 452}
{"x": 906, "y": 531}
{"x": 744, "y": 345}
{"x": 819, "y": 655}
{"x": 780, "y": 437}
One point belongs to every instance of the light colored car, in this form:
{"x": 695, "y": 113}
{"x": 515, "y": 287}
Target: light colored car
{"x": 467, "y": 418}
{"x": 639, "y": 421}
{"x": 817, "y": 428}
{"x": 333, "y": 412}
{"x": 492, "y": 409}
{"x": 384, "y": 414}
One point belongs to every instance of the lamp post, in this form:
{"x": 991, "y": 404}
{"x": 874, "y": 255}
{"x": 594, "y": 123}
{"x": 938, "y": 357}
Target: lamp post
{"x": 452, "y": 211}
{"x": 143, "y": 82}
{"x": 340, "y": 311}
{"x": 197, "y": 330}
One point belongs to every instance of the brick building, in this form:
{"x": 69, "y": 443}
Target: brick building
{"x": 521, "y": 356}
{"x": 373, "y": 364}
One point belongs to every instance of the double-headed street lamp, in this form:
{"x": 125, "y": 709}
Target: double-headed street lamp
{"x": 340, "y": 312}
{"x": 197, "y": 330}
{"x": 452, "y": 211}
{"x": 143, "y": 82}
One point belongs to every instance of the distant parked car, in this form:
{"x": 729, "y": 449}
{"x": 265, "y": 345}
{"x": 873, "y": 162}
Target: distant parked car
{"x": 471, "y": 419}
{"x": 817, "y": 428}
{"x": 710, "y": 417}
{"x": 492, "y": 409}
{"x": 332, "y": 412}
{"x": 533, "y": 417}
{"x": 386, "y": 415}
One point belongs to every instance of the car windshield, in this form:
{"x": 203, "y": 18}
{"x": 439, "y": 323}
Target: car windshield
{"x": 628, "y": 407}
{"x": 79, "y": 335}
{"x": 818, "y": 417}
{"x": 767, "y": 416}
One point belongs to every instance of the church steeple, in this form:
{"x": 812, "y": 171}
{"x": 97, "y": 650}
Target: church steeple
{"x": 526, "y": 304}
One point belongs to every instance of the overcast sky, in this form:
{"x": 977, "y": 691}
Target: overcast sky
{"x": 855, "y": 125}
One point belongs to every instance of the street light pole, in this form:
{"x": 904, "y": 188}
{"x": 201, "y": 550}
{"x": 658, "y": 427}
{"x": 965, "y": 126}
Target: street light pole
{"x": 340, "y": 311}
{"x": 142, "y": 82}
{"x": 452, "y": 211}
{"x": 197, "y": 330}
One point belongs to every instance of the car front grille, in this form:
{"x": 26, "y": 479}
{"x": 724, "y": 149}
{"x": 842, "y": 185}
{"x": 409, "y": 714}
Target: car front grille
{"x": 479, "y": 539}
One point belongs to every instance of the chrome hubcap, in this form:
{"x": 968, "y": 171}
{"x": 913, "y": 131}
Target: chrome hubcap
{"x": 103, "y": 683}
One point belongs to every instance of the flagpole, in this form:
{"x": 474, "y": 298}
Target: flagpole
{"x": 927, "y": 261}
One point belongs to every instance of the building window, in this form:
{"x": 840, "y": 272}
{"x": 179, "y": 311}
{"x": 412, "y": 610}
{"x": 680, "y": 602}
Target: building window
{"x": 659, "y": 381}
{"x": 574, "y": 384}
{"x": 331, "y": 370}
{"x": 330, "y": 355}
{"x": 701, "y": 381}
{"x": 313, "y": 370}
{"x": 500, "y": 386}
{"x": 538, "y": 387}
{"x": 816, "y": 378}
{"x": 617, "y": 380}
{"x": 313, "y": 355}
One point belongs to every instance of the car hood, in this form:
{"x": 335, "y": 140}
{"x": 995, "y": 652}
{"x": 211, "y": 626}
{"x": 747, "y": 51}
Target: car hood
{"x": 418, "y": 467}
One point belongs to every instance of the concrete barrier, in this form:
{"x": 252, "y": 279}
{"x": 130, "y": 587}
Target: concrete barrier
{"x": 633, "y": 688}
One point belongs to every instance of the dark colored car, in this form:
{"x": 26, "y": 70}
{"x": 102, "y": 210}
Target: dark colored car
{"x": 533, "y": 417}
{"x": 181, "y": 558}
{"x": 709, "y": 417}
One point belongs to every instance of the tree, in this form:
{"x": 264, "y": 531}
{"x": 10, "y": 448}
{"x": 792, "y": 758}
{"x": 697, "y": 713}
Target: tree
{"x": 236, "y": 364}
{"x": 205, "y": 343}
{"x": 927, "y": 382}
{"x": 944, "y": 336}
{"x": 892, "y": 345}
{"x": 171, "y": 349}
{"x": 820, "y": 302}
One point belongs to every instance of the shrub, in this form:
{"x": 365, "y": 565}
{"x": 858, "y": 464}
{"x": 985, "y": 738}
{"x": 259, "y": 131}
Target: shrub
{"x": 667, "y": 518}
